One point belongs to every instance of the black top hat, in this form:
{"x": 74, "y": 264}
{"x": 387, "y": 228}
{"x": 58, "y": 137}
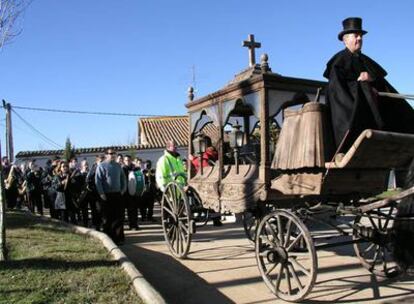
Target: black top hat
{"x": 351, "y": 25}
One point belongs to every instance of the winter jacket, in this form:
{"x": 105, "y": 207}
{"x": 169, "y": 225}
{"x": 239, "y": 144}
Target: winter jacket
{"x": 169, "y": 168}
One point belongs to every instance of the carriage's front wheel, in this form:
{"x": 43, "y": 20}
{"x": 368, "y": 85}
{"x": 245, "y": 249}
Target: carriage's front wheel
{"x": 176, "y": 220}
{"x": 286, "y": 255}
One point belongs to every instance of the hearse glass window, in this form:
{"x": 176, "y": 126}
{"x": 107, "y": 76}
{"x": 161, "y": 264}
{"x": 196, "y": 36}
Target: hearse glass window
{"x": 204, "y": 123}
{"x": 240, "y": 117}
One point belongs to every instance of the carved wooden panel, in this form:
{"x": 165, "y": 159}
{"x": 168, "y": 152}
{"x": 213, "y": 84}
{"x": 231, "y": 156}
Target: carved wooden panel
{"x": 298, "y": 184}
{"x": 208, "y": 192}
{"x": 239, "y": 197}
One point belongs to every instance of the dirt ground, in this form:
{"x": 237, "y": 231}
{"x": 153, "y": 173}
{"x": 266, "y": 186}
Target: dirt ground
{"x": 221, "y": 268}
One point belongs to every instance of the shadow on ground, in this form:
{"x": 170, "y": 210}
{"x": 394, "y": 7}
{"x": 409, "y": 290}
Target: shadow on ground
{"x": 337, "y": 283}
{"x": 175, "y": 282}
{"x": 346, "y": 289}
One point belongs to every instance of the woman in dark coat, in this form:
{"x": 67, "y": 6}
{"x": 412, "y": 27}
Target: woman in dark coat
{"x": 63, "y": 201}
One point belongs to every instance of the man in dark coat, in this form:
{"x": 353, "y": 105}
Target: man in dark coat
{"x": 354, "y": 80}
{"x": 130, "y": 201}
{"x": 150, "y": 193}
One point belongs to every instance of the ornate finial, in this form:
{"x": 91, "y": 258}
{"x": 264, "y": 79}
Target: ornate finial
{"x": 190, "y": 93}
{"x": 264, "y": 65}
{"x": 251, "y": 44}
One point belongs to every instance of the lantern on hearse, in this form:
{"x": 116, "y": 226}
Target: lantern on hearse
{"x": 236, "y": 142}
{"x": 236, "y": 137}
{"x": 200, "y": 146}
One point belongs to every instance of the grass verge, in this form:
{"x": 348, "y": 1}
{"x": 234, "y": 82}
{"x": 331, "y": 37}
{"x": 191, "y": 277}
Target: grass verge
{"x": 47, "y": 263}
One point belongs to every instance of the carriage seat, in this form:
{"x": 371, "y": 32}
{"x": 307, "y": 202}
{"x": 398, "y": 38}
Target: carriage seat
{"x": 375, "y": 149}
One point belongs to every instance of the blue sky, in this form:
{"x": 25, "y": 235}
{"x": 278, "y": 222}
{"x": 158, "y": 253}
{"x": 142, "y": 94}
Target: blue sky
{"x": 137, "y": 56}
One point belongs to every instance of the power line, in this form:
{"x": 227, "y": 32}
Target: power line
{"x": 15, "y": 126}
{"x": 44, "y": 137}
{"x": 36, "y": 131}
{"x": 84, "y": 112}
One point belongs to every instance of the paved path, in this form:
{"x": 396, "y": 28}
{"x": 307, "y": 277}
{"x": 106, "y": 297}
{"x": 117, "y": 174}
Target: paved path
{"x": 221, "y": 268}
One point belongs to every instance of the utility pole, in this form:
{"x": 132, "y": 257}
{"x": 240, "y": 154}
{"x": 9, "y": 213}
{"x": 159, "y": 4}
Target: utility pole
{"x": 3, "y": 250}
{"x": 9, "y": 132}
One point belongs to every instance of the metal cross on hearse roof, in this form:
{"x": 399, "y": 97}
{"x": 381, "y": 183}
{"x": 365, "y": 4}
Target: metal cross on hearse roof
{"x": 251, "y": 44}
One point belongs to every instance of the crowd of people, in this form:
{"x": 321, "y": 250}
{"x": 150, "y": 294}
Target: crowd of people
{"x": 81, "y": 194}
{"x": 114, "y": 188}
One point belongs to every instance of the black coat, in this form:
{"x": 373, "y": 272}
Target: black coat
{"x": 354, "y": 105}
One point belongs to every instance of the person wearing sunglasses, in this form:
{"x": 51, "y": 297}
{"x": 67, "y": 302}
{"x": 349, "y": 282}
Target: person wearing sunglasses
{"x": 110, "y": 184}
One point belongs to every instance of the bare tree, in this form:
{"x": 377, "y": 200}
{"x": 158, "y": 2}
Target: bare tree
{"x": 10, "y": 11}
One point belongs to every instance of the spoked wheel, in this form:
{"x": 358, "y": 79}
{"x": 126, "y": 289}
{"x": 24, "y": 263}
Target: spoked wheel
{"x": 176, "y": 220}
{"x": 286, "y": 255}
{"x": 373, "y": 230}
{"x": 200, "y": 214}
{"x": 251, "y": 219}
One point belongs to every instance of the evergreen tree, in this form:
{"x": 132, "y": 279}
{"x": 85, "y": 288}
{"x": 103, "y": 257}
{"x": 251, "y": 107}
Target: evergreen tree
{"x": 69, "y": 150}
{"x": 132, "y": 151}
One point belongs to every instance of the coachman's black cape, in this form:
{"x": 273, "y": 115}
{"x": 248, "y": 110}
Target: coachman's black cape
{"x": 354, "y": 105}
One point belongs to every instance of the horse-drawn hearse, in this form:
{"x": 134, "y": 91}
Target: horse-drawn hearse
{"x": 277, "y": 166}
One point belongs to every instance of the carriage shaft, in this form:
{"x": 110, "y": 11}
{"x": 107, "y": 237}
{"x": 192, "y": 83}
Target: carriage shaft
{"x": 387, "y": 201}
{"x": 336, "y": 244}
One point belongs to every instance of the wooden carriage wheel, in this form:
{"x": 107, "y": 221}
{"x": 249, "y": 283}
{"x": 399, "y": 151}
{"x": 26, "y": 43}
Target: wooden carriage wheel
{"x": 200, "y": 215}
{"x": 176, "y": 220}
{"x": 374, "y": 231}
{"x": 250, "y": 223}
{"x": 286, "y": 255}
{"x": 251, "y": 219}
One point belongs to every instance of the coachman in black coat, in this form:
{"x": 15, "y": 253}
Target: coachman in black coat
{"x": 354, "y": 80}
{"x": 354, "y": 105}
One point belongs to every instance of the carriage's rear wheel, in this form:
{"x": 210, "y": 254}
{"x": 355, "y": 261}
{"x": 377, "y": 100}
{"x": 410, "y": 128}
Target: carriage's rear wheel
{"x": 286, "y": 255}
{"x": 373, "y": 230}
{"x": 200, "y": 215}
{"x": 176, "y": 220}
{"x": 251, "y": 219}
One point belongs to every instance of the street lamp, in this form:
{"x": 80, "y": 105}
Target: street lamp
{"x": 236, "y": 142}
{"x": 200, "y": 146}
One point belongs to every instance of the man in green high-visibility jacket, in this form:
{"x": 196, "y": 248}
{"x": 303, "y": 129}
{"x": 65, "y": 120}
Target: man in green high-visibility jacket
{"x": 170, "y": 167}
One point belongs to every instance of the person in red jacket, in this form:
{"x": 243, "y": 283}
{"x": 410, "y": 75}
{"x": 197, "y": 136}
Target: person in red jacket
{"x": 210, "y": 156}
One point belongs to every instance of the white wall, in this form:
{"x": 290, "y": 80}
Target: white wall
{"x": 151, "y": 154}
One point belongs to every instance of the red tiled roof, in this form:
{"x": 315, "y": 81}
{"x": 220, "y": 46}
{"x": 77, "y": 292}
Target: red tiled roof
{"x": 155, "y": 131}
